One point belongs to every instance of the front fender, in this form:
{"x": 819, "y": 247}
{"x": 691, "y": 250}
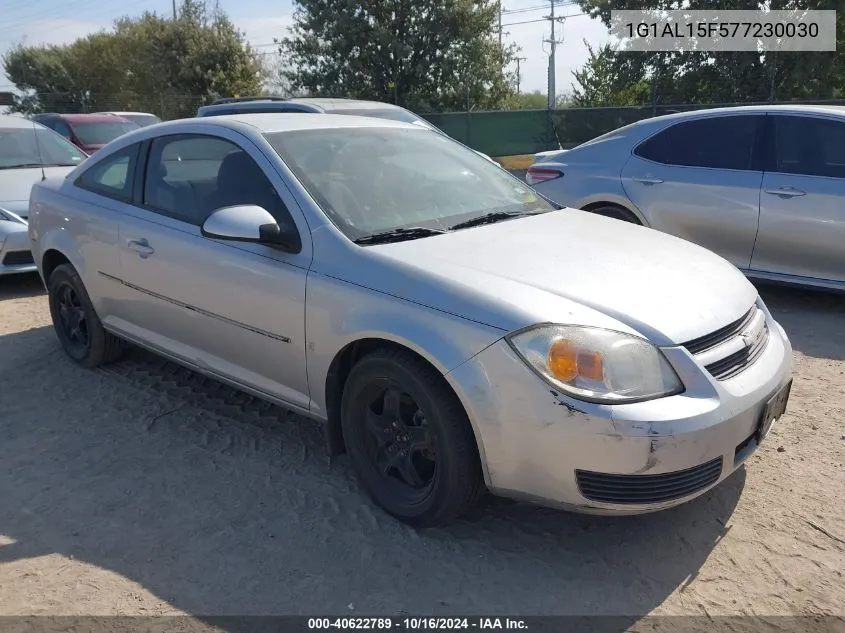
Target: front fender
{"x": 339, "y": 313}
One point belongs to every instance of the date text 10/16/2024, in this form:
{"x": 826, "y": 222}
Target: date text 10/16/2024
{"x": 416, "y": 624}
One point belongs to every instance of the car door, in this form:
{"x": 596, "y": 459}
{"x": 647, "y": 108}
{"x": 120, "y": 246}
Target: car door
{"x": 234, "y": 309}
{"x": 700, "y": 180}
{"x": 102, "y": 193}
{"x": 802, "y": 204}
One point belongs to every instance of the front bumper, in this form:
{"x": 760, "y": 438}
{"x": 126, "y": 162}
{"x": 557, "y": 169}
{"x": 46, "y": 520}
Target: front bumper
{"x": 15, "y": 249}
{"x": 544, "y": 447}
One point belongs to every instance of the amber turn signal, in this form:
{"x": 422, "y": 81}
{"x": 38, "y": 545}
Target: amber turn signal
{"x": 567, "y": 362}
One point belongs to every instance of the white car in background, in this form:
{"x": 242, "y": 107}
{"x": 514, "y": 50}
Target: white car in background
{"x": 321, "y": 105}
{"x": 29, "y": 153}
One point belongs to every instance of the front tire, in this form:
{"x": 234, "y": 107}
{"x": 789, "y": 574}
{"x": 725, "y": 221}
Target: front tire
{"x": 409, "y": 439}
{"x": 76, "y": 323}
{"x": 617, "y": 213}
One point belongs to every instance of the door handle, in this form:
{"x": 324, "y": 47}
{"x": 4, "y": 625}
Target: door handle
{"x": 786, "y": 192}
{"x": 141, "y": 246}
{"x": 648, "y": 180}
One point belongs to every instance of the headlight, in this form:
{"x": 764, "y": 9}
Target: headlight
{"x": 597, "y": 365}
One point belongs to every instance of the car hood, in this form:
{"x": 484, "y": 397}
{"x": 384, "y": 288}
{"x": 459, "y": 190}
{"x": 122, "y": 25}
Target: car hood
{"x": 660, "y": 286}
{"x": 15, "y": 185}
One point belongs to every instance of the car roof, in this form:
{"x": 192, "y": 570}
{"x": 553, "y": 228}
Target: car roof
{"x": 837, "y": 110}
{"x": 84, "y": 118}
{"x": 16, "y": 121}
{"x": 329, "y": 104}
{"x": 269, "y": 122}
{"x": 325, "y": 104}
{"x": 113, "y": 113}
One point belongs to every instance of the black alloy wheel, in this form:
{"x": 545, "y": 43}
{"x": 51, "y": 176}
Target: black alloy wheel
{"x": 409, "y": 439}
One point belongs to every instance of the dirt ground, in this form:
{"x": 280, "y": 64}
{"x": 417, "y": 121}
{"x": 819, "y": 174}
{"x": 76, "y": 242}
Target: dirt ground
{"x": 142, "y": 488}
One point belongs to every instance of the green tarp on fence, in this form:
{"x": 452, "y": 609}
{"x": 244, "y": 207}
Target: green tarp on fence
{"x": 515, "y": 132}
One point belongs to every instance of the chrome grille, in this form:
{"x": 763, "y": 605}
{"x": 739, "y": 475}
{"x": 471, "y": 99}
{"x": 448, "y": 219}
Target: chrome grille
{"x": 728, "y": 351}
{"x": 641, "y": 489}
{"x": 709, "y": 341}
{"x": 734, "y": 364}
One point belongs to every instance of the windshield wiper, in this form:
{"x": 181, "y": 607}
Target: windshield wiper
{"x": 489, "y": 218}
{"x": 398, "y": 235}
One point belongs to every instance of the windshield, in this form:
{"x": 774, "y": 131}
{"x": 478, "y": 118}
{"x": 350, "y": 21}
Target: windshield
{"x": 101, "y": 133}
{"x": 143, "y": 120}
{"x": 371, "y": 180}
{"x": 18, "y": 148}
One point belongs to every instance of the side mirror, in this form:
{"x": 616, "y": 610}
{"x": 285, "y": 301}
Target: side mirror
{"x": 251, "y": 223}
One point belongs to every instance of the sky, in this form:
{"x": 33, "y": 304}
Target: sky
{"x": 60, "y": 22}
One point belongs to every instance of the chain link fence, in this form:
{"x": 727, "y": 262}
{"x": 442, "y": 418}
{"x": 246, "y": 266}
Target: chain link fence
{"x": 165, "y": 106}
{"x": 497, "y": 133}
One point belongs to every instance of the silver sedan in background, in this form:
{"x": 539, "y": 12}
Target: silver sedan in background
{"x": 29, "y": 152}
{"x": 449, "y": 327}
{"x": 762, "y": 186}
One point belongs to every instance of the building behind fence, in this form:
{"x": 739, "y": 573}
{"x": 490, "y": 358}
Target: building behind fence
{"x": 497, "y": 133}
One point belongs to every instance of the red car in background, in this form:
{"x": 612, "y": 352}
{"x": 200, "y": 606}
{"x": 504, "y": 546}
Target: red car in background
{"x": 89, "y": 132}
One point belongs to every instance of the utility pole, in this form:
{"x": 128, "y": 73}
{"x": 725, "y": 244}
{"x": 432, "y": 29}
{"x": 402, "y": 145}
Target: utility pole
{"x": 553, "y": 44}
{"x": 500, "y": 23}
{"x": 518, "y": 59}
{"x": 174, "y": 9}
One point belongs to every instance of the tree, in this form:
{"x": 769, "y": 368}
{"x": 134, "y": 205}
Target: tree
{"x": 535, "y": 100}
{"x": 725, "y": 77}
{"x": 425, "y": 55}
{"x": 146, "y": 63}
{"x": 600, "y": 84}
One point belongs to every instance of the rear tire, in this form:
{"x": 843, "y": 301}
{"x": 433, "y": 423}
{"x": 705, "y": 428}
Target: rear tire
{"x": 76, "y": 323}
{"x": 409, "y": 439}
{"x": 617, "y": 213}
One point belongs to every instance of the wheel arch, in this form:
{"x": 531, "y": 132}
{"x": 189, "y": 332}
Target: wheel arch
{"x": 339, "y": 370}
{"x": 594, "y": 202}
{"x": 55, "y": 247}
{"x": 50, "y": 260}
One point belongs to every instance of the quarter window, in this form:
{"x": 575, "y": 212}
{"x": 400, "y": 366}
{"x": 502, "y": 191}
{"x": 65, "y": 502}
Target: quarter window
{"x": 189, "y": 175}
{"x": 810, "y": 146}
{"x": 716, "y": 142}
{"x": 112, "y": 176}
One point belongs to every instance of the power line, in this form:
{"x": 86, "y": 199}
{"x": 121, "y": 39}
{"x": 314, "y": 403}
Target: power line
{"x": 26, "y": 20}
{"x": 545, "y": 19}
{"x": 540, "y": 7}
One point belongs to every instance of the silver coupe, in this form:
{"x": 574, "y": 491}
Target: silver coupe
{"x": 452, "y": 330}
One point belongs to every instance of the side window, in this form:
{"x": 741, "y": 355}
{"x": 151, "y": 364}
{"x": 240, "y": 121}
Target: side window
{"x": 657, "y": 148}
{"x": 62, "y": 128}
{"x": 113, "y": 176}
{"x": 190, "y": 175}
{"x": 725, "y": 142}
{"x": 810, "y": 146}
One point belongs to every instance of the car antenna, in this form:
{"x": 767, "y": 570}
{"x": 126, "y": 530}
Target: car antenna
{"x": 38, "y": 149}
